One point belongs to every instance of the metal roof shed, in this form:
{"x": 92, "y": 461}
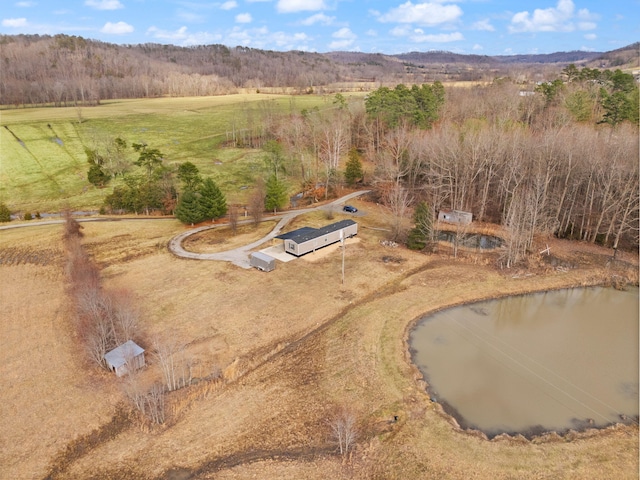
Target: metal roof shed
{"x": 455, "y": 216}
{"x": 128, "y": 355}
{"x": 307, "y": 239}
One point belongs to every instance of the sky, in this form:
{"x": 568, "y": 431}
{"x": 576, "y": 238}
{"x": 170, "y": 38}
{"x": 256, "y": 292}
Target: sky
{"x": 484, "y": 27}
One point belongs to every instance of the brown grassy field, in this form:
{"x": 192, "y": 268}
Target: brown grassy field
{"x": 293, "y": 345}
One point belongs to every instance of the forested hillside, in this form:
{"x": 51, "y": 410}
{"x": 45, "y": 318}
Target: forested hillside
{"x": 65, "y": 70}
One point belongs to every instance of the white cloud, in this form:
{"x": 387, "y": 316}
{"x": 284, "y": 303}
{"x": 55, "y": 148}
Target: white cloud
{"x": 118, "y": 28}
{"x": 318, "y": 18}
{"x": 400, "y": 31}
{"x": 262, "y": 38}
{"x": 590, "y": 36}
{"x": 422, "y": 13}
{"x": 183, "y": 37}
{"x": 190, "y": 17}
{"x": 483, "y": 25}
{"x": 553, "y": 19}
{"x": 104, "y": 4}
{"x": 26, "y": 4}
{"x": 371, "y": 33}
{"x": 345, "y": 33}
{"x": 477, "y": 47}
{"x": 14, "y": 22}
{"x": 288, "y": 40}
{"x": 230, "y": 5}
{"x": 179, "y": 34}
{"x": 288, "y": 6}
{"x": 587, "y": 25}
{"x": 244, "y": 18}
{"x": 344, "y": 39}
{"x": 419, "y": 36}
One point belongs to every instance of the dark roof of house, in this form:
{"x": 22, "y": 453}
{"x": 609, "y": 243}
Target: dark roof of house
{"x": 305, "y": 234}
{"x": 119, "y": 355}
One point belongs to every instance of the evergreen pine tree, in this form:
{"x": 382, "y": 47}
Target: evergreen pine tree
{"x": 189, "y": 209}
{"x": 276, "y": 194}
{"x": 213, "y": 203}
{"x": 353, "y": 171}
{"x": 420, "y": 236}
{"x": 5, "y": 213}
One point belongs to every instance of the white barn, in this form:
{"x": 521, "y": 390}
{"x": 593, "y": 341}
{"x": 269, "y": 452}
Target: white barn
{"x": 127, "y": 356}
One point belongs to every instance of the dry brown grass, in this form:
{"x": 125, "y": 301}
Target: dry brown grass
{"x": 293, "y": 344}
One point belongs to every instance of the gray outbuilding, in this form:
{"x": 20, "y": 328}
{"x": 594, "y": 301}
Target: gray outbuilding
{"x": 262, "y": 261}
{"x": 307, "y": 239}
{"x": 127, "y": 357}
{"x": 455, "y": 216}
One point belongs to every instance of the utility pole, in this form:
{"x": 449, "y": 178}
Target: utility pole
{"x": 342, "y": 240}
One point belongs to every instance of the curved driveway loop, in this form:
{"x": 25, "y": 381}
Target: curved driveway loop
{"x": 240, "y": 256}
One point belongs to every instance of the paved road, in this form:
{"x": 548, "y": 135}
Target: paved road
{"x": 240, "y": 256}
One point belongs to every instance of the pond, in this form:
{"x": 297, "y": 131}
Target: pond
{"x": 471, "y": 240}
{"x": 531, "y": 364}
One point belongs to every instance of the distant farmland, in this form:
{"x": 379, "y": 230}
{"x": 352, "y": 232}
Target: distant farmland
{"x": 43, "y": 165}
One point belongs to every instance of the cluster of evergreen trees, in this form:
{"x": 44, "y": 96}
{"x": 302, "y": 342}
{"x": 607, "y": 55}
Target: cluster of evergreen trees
{"x": 588, "y": 93}
{"x": 201, "y": 198}
{"x": 153, "y": 188}
{"x": 417, "y": 106}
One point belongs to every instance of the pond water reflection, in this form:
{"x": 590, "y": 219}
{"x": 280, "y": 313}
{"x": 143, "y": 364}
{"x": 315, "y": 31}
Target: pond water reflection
{"x": 542, "y": 362}
{"x": 470, "y": 240}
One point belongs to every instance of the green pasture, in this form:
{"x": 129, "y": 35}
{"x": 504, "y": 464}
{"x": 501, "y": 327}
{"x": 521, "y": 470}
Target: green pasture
{"x": 43, "y": 166}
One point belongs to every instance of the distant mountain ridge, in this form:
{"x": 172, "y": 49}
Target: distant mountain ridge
{"x": 65, "y": 70}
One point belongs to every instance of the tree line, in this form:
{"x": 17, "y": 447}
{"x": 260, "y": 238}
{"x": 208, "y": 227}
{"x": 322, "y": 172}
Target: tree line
{"x": 525, "y": 162}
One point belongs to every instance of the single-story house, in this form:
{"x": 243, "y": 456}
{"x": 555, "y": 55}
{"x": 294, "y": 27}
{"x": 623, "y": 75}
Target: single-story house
{"x": 262, "y": 261}
{"x": 308, "y": 239}
{"x": 127, "y": 356}
{"x": 455, "y": 216}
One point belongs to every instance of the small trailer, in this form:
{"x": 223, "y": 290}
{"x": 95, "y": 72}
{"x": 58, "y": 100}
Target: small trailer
{"x": 262, "y": 261}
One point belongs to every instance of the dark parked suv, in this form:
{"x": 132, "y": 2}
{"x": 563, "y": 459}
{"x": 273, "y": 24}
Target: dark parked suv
{"x": 350, "y": 209}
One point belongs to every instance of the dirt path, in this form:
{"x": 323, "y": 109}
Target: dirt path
{"x": 240, "y": 256}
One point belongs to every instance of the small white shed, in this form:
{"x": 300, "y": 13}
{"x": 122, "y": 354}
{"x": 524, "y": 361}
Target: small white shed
{"x": 127, "y": 356}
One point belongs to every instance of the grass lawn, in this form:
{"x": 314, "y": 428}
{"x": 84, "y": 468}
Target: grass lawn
{"x": 43, "y": 165}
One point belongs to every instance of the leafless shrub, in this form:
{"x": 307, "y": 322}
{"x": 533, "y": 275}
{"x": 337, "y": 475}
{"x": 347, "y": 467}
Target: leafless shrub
{"x": 344, "y": 430}
{"x": 72, "y": 227}
{"x": 175, "y": 364}
{"x": 233, "y": 219}
{"x": 155, "y": 404}
{"x": 125, "y": 315}
{"x": 256, "y": 202}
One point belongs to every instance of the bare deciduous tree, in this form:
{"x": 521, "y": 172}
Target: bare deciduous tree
{"x": 233, "y": 219}
{"x": 174, "y": 362}
{"x": 344, "y": 430}
{"x": 256, "y": 202}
